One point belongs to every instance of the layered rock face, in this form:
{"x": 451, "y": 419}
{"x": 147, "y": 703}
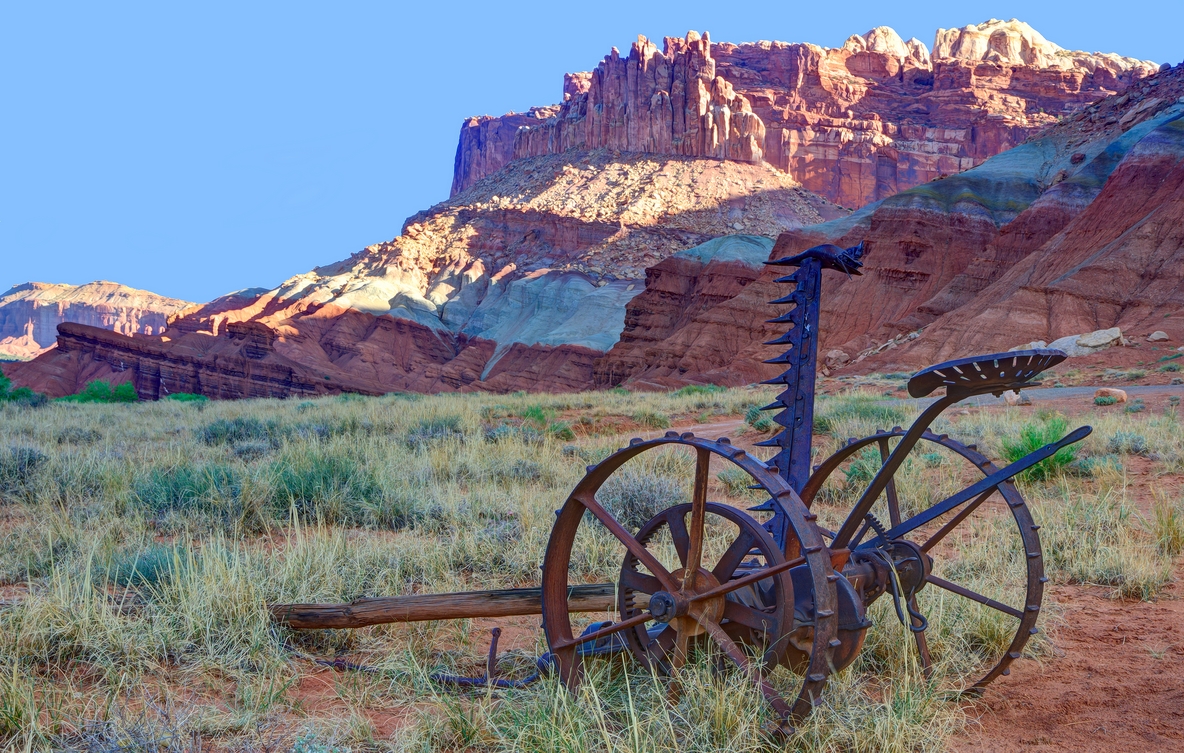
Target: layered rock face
{"x": 1076, "y": 230}
{"x": 518, "y": 283}
{"x": 855, "y": 124}
{"x": 30, "y": 313}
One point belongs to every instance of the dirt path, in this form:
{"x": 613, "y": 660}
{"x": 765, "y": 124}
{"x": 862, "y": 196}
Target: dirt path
{"x": 1116, "y": 685}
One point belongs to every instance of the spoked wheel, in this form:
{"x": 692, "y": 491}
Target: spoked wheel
{"x": 693, "y": 599}
{"x": 749, "y": 616}
{"x": 928, "y": 557}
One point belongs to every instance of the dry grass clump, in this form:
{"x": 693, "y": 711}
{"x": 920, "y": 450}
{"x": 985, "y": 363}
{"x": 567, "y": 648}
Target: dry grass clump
{"x": 143, "y": 542}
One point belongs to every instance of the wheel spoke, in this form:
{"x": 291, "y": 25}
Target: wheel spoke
{"x": 678, "y": 532}
{"x": 616, "y": 627}
{"x": 698, "y": 511}
{"x": 890, "y": 489}
{"x": 754, "y": 577}
{"x": 633, "y": 545}
{"x": 736, "y": 654}
{"x": 974, "y": 596}
{"x": 663, "y": 642}
{"x": 640, "y": 582}
{"x": 749, "y": 617}
{"x": 681, "y": 646}
{"x": 955, "y": 521}
{"x": 726, "y": 567}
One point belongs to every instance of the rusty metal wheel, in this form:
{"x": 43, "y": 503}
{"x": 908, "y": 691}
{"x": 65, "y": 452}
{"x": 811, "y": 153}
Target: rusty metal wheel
{"x": 922, "y": 551}
{"x": 692, "y": 597}
{"x": 750, "y": 616}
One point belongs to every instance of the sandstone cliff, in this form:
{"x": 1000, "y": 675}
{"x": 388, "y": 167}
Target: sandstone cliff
{"x": 1076, "y": 230}
{"x": 855, "y": 124}
{"x": 520, "y": 282}
{"x": 30, "y": 313}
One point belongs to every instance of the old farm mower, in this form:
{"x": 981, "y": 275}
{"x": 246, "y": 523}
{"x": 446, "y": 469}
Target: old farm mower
{"x": 772, "y": 585}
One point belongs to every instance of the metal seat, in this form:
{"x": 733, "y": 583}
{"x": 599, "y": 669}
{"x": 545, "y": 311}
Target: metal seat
{"x": 996, "y": 373}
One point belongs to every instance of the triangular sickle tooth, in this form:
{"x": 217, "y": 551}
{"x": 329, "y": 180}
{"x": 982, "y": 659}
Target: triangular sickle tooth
{"x": 776, "y": 380}
{"x": 774, "y": 405}
{"x": 768, "y": 443}
{"x": 788, "y": 317}
{"x": 791, "y": 298}
{"x": 783, "y": 358}
{"x": 786, "y": 339}
{"x": 788, "y": 278}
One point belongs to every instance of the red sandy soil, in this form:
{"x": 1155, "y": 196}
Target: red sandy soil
{"x": 1117, "y": 683}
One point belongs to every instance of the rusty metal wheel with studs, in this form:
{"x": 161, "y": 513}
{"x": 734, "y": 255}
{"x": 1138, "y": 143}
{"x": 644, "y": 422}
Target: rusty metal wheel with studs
{"x": 1007, "y": 614}
{"x": 691, "y": 598}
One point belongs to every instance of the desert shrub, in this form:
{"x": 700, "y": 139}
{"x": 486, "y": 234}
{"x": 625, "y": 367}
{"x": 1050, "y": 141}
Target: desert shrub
{"x": 78, "y": 435}
{"x": 537, "y": 414}
{"x": 230, "y": 431}
{"x": 327, "y": 484}
{"x": 561, "y": 430}
{"x": 21, "y": 396}
{"x": 251, "y": 449}
{"x": 1092, "y": 466}
{"x": 507, "y": 432}
{"x": 102, "y": 392}
{"x": 1105, "y": 400}
{"x": 1171, "y": 357}
{"x": 1136, "y": 406}
{"x": 1032, "y": 437}
{"x": 19, "y": 467}
{"x": 431, "y": 430}
{"x": 860, "y": 471}
{"x": 1173, "y": 367}
{"x": 698, "y": 389}
{"x": 150, "y": 566}
{"x": 1136, "y": 374}
{"x": 1167, "y": 526}
{"x": 861, "y": 407}
{"x": 187, "y": 487}
{"x": 652, "y": 419}
{"x": 736, "y": 481}
{"x": 933, "y": 459}
{"x": 633, "y": 496}
{"x": 1127, "y": 443}
{"x": 187, "y": 397}
{"x": 758, "y": 419}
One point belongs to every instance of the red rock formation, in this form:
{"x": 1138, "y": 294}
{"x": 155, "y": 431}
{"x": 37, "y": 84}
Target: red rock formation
{"x": 30, "y": 313}
{"x": 1074, "y": 231}
{"x": 854, "y": 124}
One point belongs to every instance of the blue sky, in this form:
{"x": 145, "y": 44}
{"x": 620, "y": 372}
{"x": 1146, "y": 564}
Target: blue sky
{"x": 194, "y": 149}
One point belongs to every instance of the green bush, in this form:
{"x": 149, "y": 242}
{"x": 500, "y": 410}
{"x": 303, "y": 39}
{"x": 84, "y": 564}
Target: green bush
{"x": 325, "y": 484}
{"x": 634, "y": 496}
{"x": 758, "y": 419}
{"x": 188, "y": 487}
{"x": 1105, "y": 400}
{"x": 230, "y": 431}
{"x": 862, "y": 407}
{"x": 561, "y": 430}
{"x": 187, "y": 397}
{"x": 151, "y": 567}
{"x": 1173, "y": 367}
{"x": 22, "y": 396}
{"x": 652, "y": 419}
{"x": 1128, "y": 443}
{"x": 1172, "y": 357}
{"x": 19, "y": 467}
{"x": 698, "y": 389}
{"x": 432, "y": 430}
{"x": 101, "y": 392}
{"x": 1034, "y": 436}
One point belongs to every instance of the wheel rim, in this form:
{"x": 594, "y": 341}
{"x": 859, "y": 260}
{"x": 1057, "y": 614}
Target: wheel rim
{"x": 557, "y": 561}
{"x": 1026, "y": 613}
